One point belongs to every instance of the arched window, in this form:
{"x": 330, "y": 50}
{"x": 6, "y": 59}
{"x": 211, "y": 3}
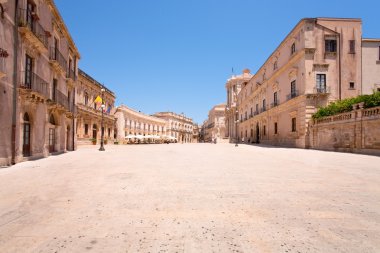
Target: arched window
{"x": 26, "y": 117}
{"x": 51, "y": 119}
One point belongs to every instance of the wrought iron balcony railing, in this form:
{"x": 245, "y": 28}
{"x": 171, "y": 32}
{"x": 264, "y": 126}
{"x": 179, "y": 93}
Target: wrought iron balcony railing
{"x": 275, "y": 103}
{"x": 322, "y": 90}
{"x": 56, "y": 55}
{"x": 33, "y": 25}
{"x": 60, "y": 98}
{"x": 71, "y": 74}
{"x": 292, "y": 95}
{"x": 31, "y": 81}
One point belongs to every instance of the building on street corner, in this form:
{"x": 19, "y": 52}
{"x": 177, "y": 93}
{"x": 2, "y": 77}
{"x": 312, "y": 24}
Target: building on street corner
{"x": 38, "y": 78}
{"x": 179, "y": 126}
{"x": 215, "y": 125}
{"x": 320, "y": 61}
{"x": 89, "y": 114}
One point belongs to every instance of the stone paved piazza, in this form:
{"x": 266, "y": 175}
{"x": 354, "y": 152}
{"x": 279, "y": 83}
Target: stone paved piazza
{"x": 192, "y": 198}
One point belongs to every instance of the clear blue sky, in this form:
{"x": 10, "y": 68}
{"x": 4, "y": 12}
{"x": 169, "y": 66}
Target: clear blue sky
{"x": 176, "y": 55}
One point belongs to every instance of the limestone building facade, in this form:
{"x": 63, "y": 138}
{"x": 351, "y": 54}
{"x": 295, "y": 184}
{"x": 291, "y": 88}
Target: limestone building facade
{"x": 215, "y": 128}
{"x": 179, "y": 126}
{"x": 320, "y": 61}
{"x": 136, "y": 123}
{"x": 89, "y": 114}
{"x": 371, "y": 65}
{"x": 233, "y": 87}
{"x": 38, "y": 76}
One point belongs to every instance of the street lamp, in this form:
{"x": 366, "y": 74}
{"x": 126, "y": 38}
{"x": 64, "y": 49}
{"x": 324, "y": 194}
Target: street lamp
{"x": 102, "y": 127}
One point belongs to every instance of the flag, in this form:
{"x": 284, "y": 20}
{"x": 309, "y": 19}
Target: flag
{"x": 98, "y": 100}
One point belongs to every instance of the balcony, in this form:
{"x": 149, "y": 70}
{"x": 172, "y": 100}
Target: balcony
{"x": 70, "y": 76}
{"x": 57, "y": 60}
{"x": 263, "y": 109}
{"x": 60, "y": 99}
{"x": 256, "y": 113}
{"x": 321, "y": 90}
{"x": 32, "y": 31}
{"x": 274, "y": 104}
{"x": 33, "y": 83}
{"x": 292, "y": 95}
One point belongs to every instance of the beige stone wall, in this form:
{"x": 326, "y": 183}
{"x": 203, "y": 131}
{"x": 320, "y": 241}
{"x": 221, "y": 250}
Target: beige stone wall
{"x": 357, "y": 131}
{"x": 179, "y": 126}
{"x": 36, "y": 96}
{"x": 371, "y": 65}
{"x": 134, "y": 122}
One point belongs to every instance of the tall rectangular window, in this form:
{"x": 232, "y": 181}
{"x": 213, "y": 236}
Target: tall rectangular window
{"x": 275, "y": 128}
{"x": 86, "y": 129}
{"x": 352, "y": 85}
{"x": 352, "y": 46}
{"x": 294, "y": 124}
{"x": 54, "y": 89}
{"x": 321, "y": 83}
{"x": 28, "y": 71}
{"x": 257, "y": 108}
{"x": 293, "y": 48}
{"x": 264, "y": 105}
{"x": 251, "y": 111}
{"x": 265, "y": 130}
{"x": 293, "y": 91}
{"x": 275, "y": 101}
{"x": 330, "y": 46}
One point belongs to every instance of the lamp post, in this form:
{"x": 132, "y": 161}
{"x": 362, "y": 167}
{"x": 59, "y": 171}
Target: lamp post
{"x": 102, "y": 125}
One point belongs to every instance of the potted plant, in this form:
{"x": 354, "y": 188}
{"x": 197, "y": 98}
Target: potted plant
{"x": 93, "y": 140}
{"x": 105, "y": 141}
{"x": 116, "y": 142}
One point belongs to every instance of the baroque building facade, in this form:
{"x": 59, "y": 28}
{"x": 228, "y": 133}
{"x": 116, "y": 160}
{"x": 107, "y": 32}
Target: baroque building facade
{"x": 134, "y": 123}
{"x": 233, "y": 87}
{"x": 320, "y": 61}
{"x": 179, "y": 126}
{"x": 89, "y": 116}
{"x": 215, "y": 125}
{"x": 38, "y": 76}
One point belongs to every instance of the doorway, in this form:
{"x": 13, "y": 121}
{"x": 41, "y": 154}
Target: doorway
{"x": 94, "y": 132}
{"x": 26, "y": 136}
{"x": 257, "y": 133}
{"x": 52, "y": 134}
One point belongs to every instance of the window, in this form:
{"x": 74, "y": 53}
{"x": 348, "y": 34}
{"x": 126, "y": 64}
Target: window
{"x": 321, "y": 83}
{"x": 293, "y": 48}
{"x": 54, "y": 89}
{"x": 257, "y": 108}
{"x": 86, "y": 98}
{"x": 378, "y": 89}
{"x": 293, "y": 91}
{"x": 245, "y": 115}
{"x": 86, "y": 129}
{"x": 352, "y": 46}
{"x": 28, "y": 71}
{"x": 251, "y": 111}
{"x": 265, "y": 130}
{"x": 109, "y": 132}
{"x": 275, "y": 65}
{"x": 264, "y": 107}
{"x": 352, "y": 85}
{"x": 275, "y": 101}
{"x": 330, "y": 46}
{"x": 294, "y": 124}
{"x": 275, "y": 128}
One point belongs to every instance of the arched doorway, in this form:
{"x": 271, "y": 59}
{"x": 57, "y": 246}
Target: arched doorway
{"x": 257, "y": 133}
{"x": 52, "y": 134}
{"x": 26, "y": 136}
{"x": 94, "y": 131}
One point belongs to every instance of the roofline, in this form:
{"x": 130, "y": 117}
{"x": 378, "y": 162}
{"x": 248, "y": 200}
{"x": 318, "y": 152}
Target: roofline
{"x": 84, "y": 74}
{"x": 61, "y": 22}
{"x": 370, "y": 40}
{"x": 122, "y": 106}
{"x": 295, "y": 27}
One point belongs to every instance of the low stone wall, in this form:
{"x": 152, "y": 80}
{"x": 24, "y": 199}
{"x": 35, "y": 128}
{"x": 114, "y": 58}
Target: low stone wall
{"x": 357, "y": 131}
